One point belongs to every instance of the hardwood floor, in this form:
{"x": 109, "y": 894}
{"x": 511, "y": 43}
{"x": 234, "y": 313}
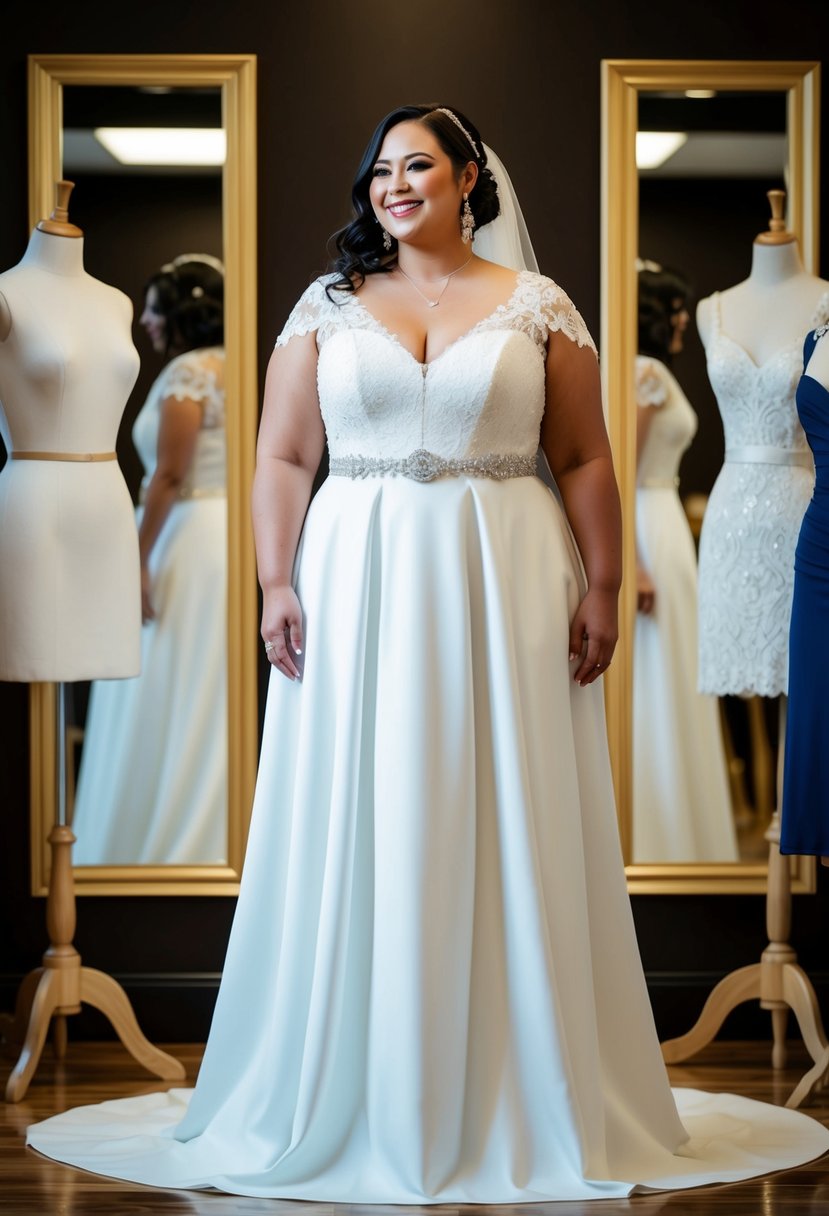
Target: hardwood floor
{"x": 30, "y": 1185}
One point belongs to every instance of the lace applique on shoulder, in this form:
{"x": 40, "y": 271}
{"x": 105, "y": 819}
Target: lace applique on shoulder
{"x": 313, "y": 312}
{"x": 193, "y": 376}
{"x": 539, "y": 306}
{"x": 650, "y": 384}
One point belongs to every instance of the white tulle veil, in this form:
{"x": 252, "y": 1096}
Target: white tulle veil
{"x": 505, "y": 240}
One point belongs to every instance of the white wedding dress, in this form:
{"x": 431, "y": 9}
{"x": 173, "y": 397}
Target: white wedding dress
{"x": 152, "y": 786}
{"x": 681, "y": 801}
{"x": 753, "y": 517}
{"x": 432, "y": 991}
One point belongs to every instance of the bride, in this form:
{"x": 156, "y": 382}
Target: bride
{"x": 432, "y": 992}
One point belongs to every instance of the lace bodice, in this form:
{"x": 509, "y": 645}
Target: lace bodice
{"x": 483, "y": 395}
{"x": 199, "y": 376}
{"x": 749, "y": 534}
{"x": 757, "y": 400}
{"x": 672, "y": 426}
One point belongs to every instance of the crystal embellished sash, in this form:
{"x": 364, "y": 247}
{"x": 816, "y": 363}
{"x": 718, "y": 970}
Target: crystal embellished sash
{"x": 426, "y": 466}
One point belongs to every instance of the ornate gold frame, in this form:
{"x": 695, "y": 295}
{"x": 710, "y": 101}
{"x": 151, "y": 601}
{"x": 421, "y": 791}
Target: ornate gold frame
{"x": 622, "y": 82}
{"x": 235, "y": 75}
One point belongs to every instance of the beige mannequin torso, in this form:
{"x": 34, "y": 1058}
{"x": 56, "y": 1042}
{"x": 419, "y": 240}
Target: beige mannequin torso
{"x": 71, "y": 608}
{"x": 770, "y": 309}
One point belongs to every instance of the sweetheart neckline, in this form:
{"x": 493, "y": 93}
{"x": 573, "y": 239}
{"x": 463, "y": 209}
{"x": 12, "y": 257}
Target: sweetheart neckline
{"x": 425, "y": 365}
{"x": 759, "y": 367}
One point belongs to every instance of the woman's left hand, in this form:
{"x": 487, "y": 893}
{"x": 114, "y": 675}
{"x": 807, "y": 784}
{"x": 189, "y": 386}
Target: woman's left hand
{"x": 147, "y": 609}
{"x": 594, "y": 632}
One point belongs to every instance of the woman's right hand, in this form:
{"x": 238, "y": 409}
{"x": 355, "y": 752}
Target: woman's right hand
{"x": 645, "y": 592}
{"x": 282, "y": 630}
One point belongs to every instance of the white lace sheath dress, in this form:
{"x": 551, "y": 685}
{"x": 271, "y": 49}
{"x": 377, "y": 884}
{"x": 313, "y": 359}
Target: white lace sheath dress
{"x": 681, "y": 801}
{"x": 751, "y": 524}
{"x": 152, "y": 785}
{"x": 432, "y": 991}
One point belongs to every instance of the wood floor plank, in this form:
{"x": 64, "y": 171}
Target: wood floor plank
{"x": 30, "y": 1185}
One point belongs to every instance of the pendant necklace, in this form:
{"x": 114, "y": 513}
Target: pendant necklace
{"x": 434, "y": 303}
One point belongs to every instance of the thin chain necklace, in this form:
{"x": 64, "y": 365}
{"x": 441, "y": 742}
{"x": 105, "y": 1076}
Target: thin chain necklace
{"x": 434, "y": 303}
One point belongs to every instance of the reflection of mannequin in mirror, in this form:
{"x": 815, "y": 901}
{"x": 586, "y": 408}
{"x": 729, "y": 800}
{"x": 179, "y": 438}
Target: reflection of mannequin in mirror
{"x": 681, "y": 804}
{"x": 69, "y": 607}
{"x": 753, "y": 334}
{"x": 805, "y": 818}
{"x": 152, "y": 787}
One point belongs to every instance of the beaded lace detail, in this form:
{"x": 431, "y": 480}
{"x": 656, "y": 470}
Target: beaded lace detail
{"x": 536, "y": 307}
{"x": 193, "y": 376}
{"x": 751, "y": 525}
{"x": 650, "y": 384}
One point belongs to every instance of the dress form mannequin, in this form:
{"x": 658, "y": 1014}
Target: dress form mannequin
{"x": 70, "y": 601}
{"x": 772, "y": 307}
{"x": 67, "y": 528}
{"x": 768, "y": 464}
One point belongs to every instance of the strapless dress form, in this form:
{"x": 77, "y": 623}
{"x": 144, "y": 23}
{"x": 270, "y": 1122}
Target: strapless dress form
{"x": 432, "y": 991}
{"x": 804, "y": 824}
{"x": 750, "y": 529}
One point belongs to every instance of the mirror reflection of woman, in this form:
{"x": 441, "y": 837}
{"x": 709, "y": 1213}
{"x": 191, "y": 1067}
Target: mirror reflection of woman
{"x": 681, "y": 804}
{"x": 152, "y": 787}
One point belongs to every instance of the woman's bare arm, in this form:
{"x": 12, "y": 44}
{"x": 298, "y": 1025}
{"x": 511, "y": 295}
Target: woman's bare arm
{"x": 575, "y": 442}
{"x": 180, "y": 423}
{"x": 288, "y": 453}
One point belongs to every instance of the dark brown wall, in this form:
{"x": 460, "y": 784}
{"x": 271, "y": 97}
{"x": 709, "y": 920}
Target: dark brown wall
{"x": 528, "y": 72}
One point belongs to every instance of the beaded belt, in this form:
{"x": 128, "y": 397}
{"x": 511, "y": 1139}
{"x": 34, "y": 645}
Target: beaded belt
{"x": 758, "y": 453}
{"x": 82, "y": 457}
{"x": 187, "y": 494}
{"x": 426, "y": 466}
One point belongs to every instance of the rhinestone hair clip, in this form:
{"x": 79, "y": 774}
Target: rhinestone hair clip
{"x": 458, "y": 123}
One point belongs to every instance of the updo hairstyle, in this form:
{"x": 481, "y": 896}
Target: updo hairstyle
{"x": 359, "y": 245}
{"x": 659, "y": 291}
{"x": 190, "y": 295}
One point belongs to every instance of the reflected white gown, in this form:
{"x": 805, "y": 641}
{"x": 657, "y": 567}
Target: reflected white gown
{"x": 152, "y": 787}
{"x": 681, "y": 801}
{"x": 432, "y": 991}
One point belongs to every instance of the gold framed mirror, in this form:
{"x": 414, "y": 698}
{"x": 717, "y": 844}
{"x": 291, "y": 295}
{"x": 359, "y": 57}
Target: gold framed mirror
{"x": 225, "y": 88}
{"x": 633, "y": 92}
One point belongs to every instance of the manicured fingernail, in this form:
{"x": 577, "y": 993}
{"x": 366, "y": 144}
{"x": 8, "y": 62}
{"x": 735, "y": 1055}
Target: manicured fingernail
{"x": 572, "y": 657}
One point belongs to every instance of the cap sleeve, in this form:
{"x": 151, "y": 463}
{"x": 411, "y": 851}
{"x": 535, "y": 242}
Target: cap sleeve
{"x": 191, "y": 377}
{"x": 307, "y": 314}
{"x": 650, "y": 385}
{"x": 559, "y": 313}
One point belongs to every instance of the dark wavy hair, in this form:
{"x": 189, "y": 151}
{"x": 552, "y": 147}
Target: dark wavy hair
{"x": 359, "y": 245}
{"x": 662, "y": 294}
{"x": 190, "y": 297}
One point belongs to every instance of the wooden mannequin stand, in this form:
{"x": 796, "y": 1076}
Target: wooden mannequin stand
{"x": 777, "y": 981}
{"x": 58, "y": 988}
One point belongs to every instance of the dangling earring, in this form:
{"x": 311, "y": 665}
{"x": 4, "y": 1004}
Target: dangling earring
{"x": 386, "y": 236}
{"x": 467, "y": 221}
